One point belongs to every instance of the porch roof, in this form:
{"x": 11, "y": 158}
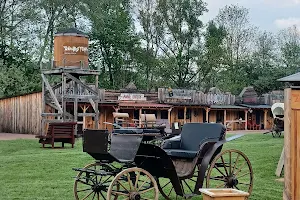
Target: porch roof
{"x": 143, "y": 105}
{"x": 187, "y": 104}
{"x": 256, "y": 106}
{"x": 227, "y": 107}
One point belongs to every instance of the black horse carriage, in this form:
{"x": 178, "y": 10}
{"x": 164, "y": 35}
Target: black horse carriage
{"x": 129, "y": 168}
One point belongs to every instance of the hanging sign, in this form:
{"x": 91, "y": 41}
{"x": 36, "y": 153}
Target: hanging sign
{"x": 179, "y": 94}
{"x": 131, "y": 97}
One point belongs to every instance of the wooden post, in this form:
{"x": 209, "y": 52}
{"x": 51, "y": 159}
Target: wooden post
{"x": 207, "y": 114}
{"x": 169, "y": 117}
{"x": 76, "y": 114}
{"x": 84, "y": 111}
{"x": 96, "y": 115}
{"x": 105, "y": 118}
{"x": 140, "y": 118}
{"x": 265, "y": 118}
{"x": 280, "y": 164}
{"x": 64, "y": 103}
{"x": 43, "y": 108}
{"x": 291, "y": 144}
{"x": 184, "y": 115}
{"x": 246, "y": 119}
{"x": 225, "y": 117}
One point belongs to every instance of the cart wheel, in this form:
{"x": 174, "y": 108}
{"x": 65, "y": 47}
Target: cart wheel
{"x": 230, "y": 169}
{"x": 276, "y": 134}
{"x": 89, "y": 185}
{"x": 188, "y": 184}
{"x": 133, "y": 184}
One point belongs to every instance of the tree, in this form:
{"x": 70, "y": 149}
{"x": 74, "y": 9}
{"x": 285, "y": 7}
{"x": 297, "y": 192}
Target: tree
{"x": 238, "y": 46}
{"x": 180, "y": 30}
{"x": 53, "y": 13}
{"x": 210, "y": 64}
{"x": 290, "y": 49}
{"x": 147, "y": 55}
{"x": 112, "y": 40}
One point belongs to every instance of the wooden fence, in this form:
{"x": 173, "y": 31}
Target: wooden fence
{"x": 21, "y": 114}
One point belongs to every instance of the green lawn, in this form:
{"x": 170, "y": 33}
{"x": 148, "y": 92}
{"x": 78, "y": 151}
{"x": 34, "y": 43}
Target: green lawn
{"x": 30, "y": 172}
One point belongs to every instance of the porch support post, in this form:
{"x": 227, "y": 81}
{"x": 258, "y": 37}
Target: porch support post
{"x": 207, "y": 114}
{"x": 184, "y": 115}
{"x": 265, "y": 118}
{"x": 83, "y": 118}
{"x": 246, "y": 119}
{"x": 225, "y": 117}
{"x": 169, "y": 117}
{"x": 140, "y": 118}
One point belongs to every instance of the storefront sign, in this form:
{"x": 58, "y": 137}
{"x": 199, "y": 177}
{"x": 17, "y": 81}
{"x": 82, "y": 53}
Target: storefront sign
{"x": 179, "y": 94}
{"x": 215, "y": 99}
{"x": 131, "y": 97}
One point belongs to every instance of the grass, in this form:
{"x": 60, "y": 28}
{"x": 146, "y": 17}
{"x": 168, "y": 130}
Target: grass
{"x": 30, "y": 172}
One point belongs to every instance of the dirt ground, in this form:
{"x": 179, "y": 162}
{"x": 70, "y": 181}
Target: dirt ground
{"x": 14, "y": 136}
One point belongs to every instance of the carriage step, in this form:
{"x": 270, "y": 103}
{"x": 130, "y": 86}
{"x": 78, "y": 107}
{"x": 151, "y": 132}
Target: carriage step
{"x": 101, "y": 172}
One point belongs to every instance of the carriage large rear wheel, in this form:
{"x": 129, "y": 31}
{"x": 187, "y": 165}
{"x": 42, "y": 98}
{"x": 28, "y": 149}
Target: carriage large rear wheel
{"x": 188, "y": 184}
{"x": 230, "y": 169}
{"x": 93, "y": 181}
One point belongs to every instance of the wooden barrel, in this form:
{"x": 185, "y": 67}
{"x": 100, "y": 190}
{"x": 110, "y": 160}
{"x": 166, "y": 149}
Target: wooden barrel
{"x": 70, "y": 49}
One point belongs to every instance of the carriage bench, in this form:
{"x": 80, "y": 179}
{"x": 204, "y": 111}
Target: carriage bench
{"x": 59, "y": 132}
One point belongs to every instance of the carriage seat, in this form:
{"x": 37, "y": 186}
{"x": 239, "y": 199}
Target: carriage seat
{"x": 192, "y": 136}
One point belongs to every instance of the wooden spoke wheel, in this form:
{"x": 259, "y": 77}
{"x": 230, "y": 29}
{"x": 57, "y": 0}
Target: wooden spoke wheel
{"x": 230, "y": 169}
{"x": 276, "y": 133}
{"x": 187, "y": 183}
{"x": 93, "y": 181}
{"x": 133, "y": 184}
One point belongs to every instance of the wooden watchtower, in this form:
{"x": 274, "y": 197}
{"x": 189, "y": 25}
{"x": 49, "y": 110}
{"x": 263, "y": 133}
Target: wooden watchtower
{"x": 69, "y": 69}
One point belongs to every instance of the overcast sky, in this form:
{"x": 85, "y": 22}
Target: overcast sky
{"x": 270, "y": 15}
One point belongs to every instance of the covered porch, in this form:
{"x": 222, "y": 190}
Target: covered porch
{"x": 232, "y": 116}
{"x": 259, "y": 117}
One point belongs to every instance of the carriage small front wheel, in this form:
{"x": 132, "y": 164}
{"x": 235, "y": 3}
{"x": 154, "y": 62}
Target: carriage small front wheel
{"x": 93, "y": 181}
{"x": 133, "y": 184}
{"x": 230, "y": 169}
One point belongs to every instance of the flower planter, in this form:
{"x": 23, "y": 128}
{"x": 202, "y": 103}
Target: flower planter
{"x": 223, "y": 194}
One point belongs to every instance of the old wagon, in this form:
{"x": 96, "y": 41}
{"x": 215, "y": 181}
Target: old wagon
{"x": 278, "y": 115}
{"x": 128, "y": 168}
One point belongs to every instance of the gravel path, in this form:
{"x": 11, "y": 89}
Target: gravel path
{"x": 14, "y": 136}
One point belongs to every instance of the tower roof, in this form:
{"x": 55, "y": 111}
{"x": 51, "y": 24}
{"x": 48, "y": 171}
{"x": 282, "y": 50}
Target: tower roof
{"x": 71, "y": 31}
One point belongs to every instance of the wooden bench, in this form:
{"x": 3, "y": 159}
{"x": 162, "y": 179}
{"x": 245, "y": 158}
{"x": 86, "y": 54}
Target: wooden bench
{"x": 59, "y": 132}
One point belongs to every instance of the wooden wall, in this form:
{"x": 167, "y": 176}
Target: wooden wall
{"x": 196, "y": 115}
{"x": 292, "y": 145}
{"x": 21, "y": 114}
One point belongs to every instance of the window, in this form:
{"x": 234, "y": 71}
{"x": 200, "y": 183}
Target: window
{"x": 164, "y": 114}
{"x": 242, "y": 115}
{"x": 188, "y": 113}
{"x": 180, "y": 114}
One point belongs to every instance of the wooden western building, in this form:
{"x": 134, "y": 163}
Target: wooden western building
{"x": 168, "y": 105}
